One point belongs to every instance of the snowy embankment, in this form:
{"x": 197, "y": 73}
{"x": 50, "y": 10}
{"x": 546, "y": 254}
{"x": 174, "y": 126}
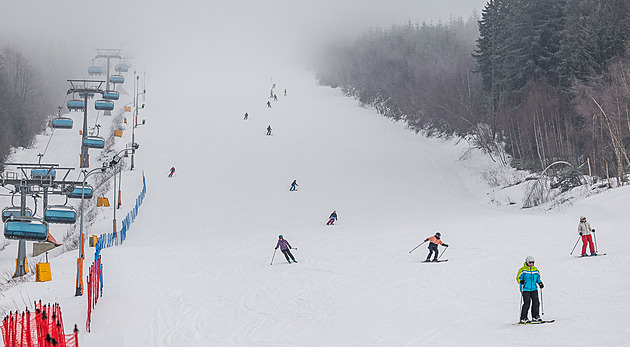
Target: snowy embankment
{"x": 195, "y": 268}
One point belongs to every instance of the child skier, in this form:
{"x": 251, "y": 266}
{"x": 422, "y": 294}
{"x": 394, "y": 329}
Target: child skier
{"x": 285, "y": 248}
{"x": 584, "y": 229}
{"x": 433, "y": 245}
{"x": 527, "y": 277}
{"x": 172, "y": 171}
{"x": 293, "y": 185}
{"x": 333, "y": 218}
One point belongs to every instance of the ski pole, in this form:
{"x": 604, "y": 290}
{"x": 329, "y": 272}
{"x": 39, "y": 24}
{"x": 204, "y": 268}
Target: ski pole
{"x": 542, "y": 306}
{"x": 417, "y": 247}
{"x": 595, "y": 239}
{"x": 442, "y": 254}
{"x": 576, "y": 242}
{"x": 274, "y": 255}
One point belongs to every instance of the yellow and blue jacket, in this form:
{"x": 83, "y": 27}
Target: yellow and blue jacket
{"x": 530, "y": 275}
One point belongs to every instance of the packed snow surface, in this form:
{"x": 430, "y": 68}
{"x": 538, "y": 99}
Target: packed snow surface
{"x": 196, "y": 269}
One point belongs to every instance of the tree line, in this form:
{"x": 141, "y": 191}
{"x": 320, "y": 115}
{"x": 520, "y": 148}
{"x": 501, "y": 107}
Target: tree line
{"x": 25, "y": 101}
{"x": 540, "y": 80}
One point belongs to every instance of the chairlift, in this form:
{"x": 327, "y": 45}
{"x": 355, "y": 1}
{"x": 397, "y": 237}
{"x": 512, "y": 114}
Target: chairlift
{"x": 106, "y": 105}
{"x": 79, "y": 192}
{"x": 15, "y": 211}
{"x": 62, "y": 123}
{"x": 26, "y": 228}
{"x": 121, "y": 68}
{"x": 44, "y": 174}
{"x": 117, "y": 79}
{"x": 76, "y": 105}
{"x": 62, "y": 214}
{"x": 95, "y": 70}
{"x": 111, "y": 95}
{"x": 90, "y": 94}
{"x": 94, "y": 142}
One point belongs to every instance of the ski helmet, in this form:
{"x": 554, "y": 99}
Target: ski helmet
{"x": 582, "y": 217}
{"x": 279, "y": 236}
{"x": 438, "y": 235}
{"x": 529, "y": 259}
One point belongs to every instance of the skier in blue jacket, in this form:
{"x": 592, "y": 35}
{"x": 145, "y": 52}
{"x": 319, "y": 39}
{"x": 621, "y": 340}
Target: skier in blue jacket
{"x": 528, "y": 277}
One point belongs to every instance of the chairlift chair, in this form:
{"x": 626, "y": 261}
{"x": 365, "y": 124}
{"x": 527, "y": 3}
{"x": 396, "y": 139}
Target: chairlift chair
{"x": 117, "y": 79}
{"x": 111, "y": 95}
{"x": 62, "y": 123}
{"x": 94, "y": 142}
{"x": 44, "y": 174}
{"x": 15, "y": 211}
{"x": 76, "y": 105}
{"x": 26, "y": 228}
{"x": 95, "y": 70}
{"x": 106, "y": 105}
{"x": 121, "y": 68}
{"x": 62, "y": 214}
{"x": 78, "y": 192}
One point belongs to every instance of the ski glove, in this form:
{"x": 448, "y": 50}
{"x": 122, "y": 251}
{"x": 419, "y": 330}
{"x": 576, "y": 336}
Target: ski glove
{"x": 541, "y": 285}
{"x": 580, "y": 233}
{"x": 522, "y": 282}
{"x": 445, "y": 245}
{"x": 426, "y": 240}
{"x": 593, "y": 230}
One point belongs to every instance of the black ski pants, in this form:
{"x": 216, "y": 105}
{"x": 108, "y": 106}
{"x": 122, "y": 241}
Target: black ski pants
{"x": 530, "y": 297}
{"x": 433, "y": 247}
{"x": 287, "y": 254}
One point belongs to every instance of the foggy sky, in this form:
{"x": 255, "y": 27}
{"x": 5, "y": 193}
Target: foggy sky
{"x": 188, "y": 33}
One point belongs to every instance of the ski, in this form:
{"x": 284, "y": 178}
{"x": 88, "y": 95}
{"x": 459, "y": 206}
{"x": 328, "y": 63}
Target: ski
{"x": 539, "y": 322}
{"x": 439, "y": 261}
{"x": 588, "y": 256}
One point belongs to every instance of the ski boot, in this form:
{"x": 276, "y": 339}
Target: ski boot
{"x": 585, "y": 255}
{"x": 524, "y": 321}
{"x": 536, "y": 319}
{"x": 594, "y": 253}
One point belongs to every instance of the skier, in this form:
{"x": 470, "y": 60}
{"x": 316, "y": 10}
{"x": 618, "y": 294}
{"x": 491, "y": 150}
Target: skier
{"x": 527, "y": 277}
{"x": 293, "y": 185}
{"x": 584, "y": 229}
{"x": 275, "y": 97}
{"x": 285, "y": 248}
{"x": 246, "y": 115}
{"x": 269, "y": 104}
{"x": 271, "y": 93}
{"x": 285, "y": 92}
{"x": 172, "y": 171}
{"x": 333, "y": 217}
{"x": 433, "y": 245}
{"x": 269, "y": 130}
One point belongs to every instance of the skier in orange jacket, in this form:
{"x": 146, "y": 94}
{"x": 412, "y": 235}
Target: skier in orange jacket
{"x": 433, "y": 245}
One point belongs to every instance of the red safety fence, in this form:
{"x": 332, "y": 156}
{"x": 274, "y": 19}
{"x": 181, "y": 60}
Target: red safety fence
{"x": 93, "y": 289}
{"x": 44, "y": 328}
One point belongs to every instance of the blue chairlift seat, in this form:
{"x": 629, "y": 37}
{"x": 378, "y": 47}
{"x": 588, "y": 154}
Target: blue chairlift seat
{"x": 45, "y": 174}
{"x": 76, "y": 105}
{"x": 90, "y": 94}
{"x": 14, "y": 211}
{"x": 95, "y": 70}
{"x": 60, "y": 214}
{"x": 26, "y": 228}
{"x": 78, "y": 191}
{"x": 107, "y": 105}
{"x": 94, "y": 142}
{"x": 117, "y": 79}
{"x": 62, "y": 123}
{"x": 111, "y": 95}
{"x": 121, "y": 68}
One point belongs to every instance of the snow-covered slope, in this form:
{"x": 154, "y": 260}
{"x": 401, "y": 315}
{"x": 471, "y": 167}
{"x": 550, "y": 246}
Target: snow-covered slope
{"x": 195, "y": 268}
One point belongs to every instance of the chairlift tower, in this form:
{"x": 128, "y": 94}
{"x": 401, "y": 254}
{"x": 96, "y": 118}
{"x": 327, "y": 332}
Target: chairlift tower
{"x": 107, "y": 54}
{"x": 85, "y": 87}
{"x": 34, "y": 179}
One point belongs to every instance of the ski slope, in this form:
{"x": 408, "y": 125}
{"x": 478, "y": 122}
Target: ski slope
{"x": 195, "y": 268}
